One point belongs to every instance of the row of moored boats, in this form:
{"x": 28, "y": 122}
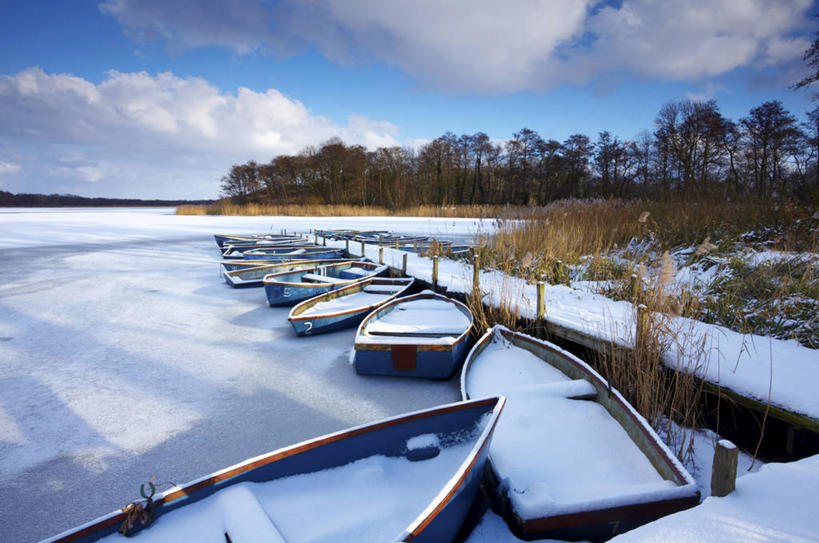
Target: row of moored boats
{"x": 570, "y": 458}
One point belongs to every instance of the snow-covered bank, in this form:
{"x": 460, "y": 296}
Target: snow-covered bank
{"x": 752, "y": 366}
{"x": 776, "y": 504}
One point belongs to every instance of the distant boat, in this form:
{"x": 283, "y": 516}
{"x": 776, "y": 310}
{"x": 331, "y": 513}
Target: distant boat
{"x": 347, "y": 306}
{"x": 424, "y": 335}
{"x": 222, "y": 239}
{"x": 407, "y": 478}
{"x": 571, "y": 459}
{"x": 253, "y": 276}
{"x": 292, "y": 287}
{"x": 292, "y": 253}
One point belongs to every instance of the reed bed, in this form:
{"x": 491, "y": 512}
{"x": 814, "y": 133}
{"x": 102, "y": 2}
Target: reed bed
{"x": 225, "y": 207}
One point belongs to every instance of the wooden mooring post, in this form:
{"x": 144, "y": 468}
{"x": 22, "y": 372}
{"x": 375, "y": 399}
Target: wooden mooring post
{"x": 324, "y": 240}
{"x": 315, "y": 239}
{"x": 362, "y": 249}
{"x": 346, "y": 247}
{"x": 540, "y": 326}
{"x": 380, "y": 255}
{"x": 724, "y": 469}
{"x": 435, "y": 273}
{"x": 404, "y": 265}
{"x": 642, "y": 324}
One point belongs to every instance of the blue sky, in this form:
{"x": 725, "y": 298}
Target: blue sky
{"x": 157, "y": 98}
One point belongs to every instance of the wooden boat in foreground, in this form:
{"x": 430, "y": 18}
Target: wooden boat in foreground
{"x": 253, "y": 276}
{"x": 292, "y": 287}
{"x": 571, "y": 459}
{"x": 407, "y": 478}
{"x": 347, "y": 306}
{"x": 424, "y": 335}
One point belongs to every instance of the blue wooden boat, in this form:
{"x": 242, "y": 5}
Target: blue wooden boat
{"x": 290, "y": 288}
{"x": 238, "y": 276}
{"x": 237, "y": 252}
{"x": 424, "y": 335}
{"x": 601, "y": 468}
{"x": 347, "y": 306}
{"x": 294, "y": 253}
{"x": 222, "y": 239}
{"x": 407, "y": 478}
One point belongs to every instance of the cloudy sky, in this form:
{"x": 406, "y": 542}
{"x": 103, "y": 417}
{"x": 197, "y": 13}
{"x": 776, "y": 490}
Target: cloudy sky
{"x": 157, "y": 98}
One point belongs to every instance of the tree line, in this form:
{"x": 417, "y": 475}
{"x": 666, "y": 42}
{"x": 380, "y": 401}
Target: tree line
{"x": 693, "y": 150}
{"x": 8, "y": 199}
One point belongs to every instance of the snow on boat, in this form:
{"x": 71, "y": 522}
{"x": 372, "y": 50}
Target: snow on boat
{"x": 347, "y": 306}
{"x": 571, "y": 459}
{"x": 290, "y": 288}
{"x": 407, "y": 478}
{"x": 311, "y": 252}
{"x": 424, "y": 335}
{"x": 252, "y": 276}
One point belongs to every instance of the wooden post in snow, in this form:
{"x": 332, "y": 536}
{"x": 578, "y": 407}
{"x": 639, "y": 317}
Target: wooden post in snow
{"x": 435, "y": 273}
{"x": 642, "y": 324}
{"x": 396, "y": 244}
{"x": 635, "y": 287}
{"x": 380, "y": 255}
{"x": 404, "y": 265}
{"x": 324, "y": 240}
{"x": 346, "y": 247}
{"x": 362, "y": 249}
{"x": 540, "y": 327}
{"x": 315, "y": 238}
{"x": 724, "y": 470}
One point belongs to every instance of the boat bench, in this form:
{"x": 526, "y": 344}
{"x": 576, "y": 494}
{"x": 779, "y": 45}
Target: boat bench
{"x": 244, "y": 518}
{"x": 316, "y": 278}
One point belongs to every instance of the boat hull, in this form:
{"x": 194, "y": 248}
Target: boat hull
{"x": 427, "y": 361}
{"x": 289, "y": 288}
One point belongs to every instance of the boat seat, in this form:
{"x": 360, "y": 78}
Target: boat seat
{"x": 360, "y": 272}
{"x": 383, "y": 289}
{"x": 244, "y": 518}
{"x": 316, "y": 278}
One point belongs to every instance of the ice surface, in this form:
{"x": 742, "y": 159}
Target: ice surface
{"x": 124, "y": 355}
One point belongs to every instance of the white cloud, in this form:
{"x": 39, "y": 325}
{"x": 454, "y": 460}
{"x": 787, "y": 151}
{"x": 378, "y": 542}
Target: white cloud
{"x": 490, "y": 46}
{"x": 9, "y": 168}
{"x": 142, "y": 135}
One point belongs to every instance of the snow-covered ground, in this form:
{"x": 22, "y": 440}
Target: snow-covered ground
{"x": 753, "y": 366}
{"x": 123, "y": 356}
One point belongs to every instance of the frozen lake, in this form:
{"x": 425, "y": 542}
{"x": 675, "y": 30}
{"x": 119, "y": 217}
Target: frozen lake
{"x": 123, "y": 356}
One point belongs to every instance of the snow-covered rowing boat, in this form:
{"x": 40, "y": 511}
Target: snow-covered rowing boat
{"x": 222, "y": 239}
{"x": 311, "y": 252}
{"x": 407, "y": 478}
{"x": 572, "y": 459}
{"x": 347, "y": 306}
{"x": 424, "y": 335}
{"x": 292, "y": 287}
{"x": 252, "y": 276}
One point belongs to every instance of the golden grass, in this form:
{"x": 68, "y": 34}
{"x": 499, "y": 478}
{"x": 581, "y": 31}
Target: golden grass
{"x": 225, "y": 207}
